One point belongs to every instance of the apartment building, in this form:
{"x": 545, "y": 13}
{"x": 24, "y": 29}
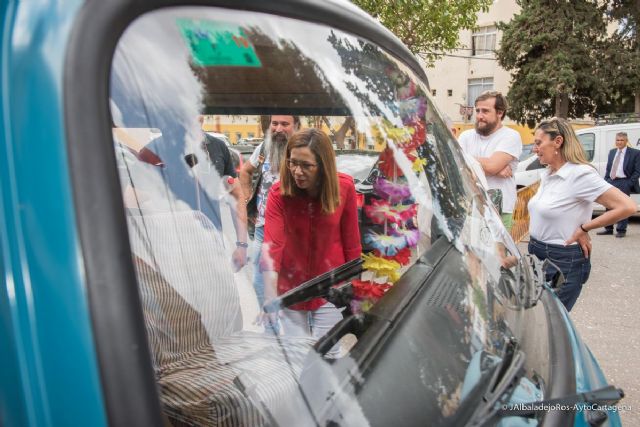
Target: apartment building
{"x": 458, "y": 78}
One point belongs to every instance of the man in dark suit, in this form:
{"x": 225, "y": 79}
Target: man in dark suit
{"x": 623, "y": 171}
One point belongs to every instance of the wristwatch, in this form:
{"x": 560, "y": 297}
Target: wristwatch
{"x": 242, "y": 244}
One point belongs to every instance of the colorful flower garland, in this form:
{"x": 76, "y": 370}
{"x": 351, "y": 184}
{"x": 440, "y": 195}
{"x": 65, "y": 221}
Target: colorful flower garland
{"x": 394, "y": 208}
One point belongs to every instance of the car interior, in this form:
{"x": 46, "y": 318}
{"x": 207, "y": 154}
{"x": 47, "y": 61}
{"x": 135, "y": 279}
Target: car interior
{"x": 213, "y": 365}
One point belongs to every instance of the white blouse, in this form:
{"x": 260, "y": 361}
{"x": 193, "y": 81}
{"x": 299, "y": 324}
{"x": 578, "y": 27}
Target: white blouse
{"x": 564, "y": 201}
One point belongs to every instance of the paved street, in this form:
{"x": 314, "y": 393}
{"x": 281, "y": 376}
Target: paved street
{"x": 608, "y": 312}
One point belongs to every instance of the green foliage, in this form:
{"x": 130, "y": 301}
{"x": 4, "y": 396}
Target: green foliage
{"x": 427, "y": 27}
{"x": 555, "y": 50}
{"x": 623, "y": 58}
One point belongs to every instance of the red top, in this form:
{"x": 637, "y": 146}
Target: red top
{"x": 301, "y": 242}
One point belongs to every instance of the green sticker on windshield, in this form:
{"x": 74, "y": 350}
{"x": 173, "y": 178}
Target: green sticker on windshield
{"x": 218, "y": 44}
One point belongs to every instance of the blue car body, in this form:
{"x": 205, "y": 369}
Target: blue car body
{"x": 589, "y": 375}
{"x": 51, "y": 374}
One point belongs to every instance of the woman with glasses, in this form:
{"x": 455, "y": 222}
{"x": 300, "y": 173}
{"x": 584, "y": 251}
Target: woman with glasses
{"x": 311, "y": 227}
{"x": 561, "y": 210}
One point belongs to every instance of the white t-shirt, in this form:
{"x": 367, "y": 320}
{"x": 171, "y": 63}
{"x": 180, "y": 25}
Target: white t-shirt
{"x": 505, "y": 140}
{"x": 564, "y": 201}
{"x": 269, "y": 178}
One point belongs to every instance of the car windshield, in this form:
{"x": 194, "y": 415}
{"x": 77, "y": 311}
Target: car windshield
{"x": 417, "y": 205}
{"x": 356, "y": 163}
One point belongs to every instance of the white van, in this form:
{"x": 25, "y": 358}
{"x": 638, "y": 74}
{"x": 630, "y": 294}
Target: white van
{"x": 597, "y": 142}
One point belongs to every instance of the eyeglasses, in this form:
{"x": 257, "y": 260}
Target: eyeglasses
{"x": 304, "y": 166}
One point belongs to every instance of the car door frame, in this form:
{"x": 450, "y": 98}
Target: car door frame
{"x": 127, "y": 377}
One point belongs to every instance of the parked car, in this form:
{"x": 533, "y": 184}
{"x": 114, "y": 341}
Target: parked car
{"x": 119, "y": 304}
{"x": 222, "y": 137}
{"x": 357, "y": 163}
{"x": 244, "y": 150}
{"x": 597, "y": 142}
{"x": 237, "y": 156}
{"x": 526, "y": 152}
{"x": 250, "y": 141}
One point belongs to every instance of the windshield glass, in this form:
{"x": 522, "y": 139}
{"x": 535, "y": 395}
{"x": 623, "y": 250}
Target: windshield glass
{"x": 188, "y": 83}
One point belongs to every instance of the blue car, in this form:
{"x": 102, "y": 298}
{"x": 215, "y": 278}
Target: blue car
{"x": 120, "y": 304}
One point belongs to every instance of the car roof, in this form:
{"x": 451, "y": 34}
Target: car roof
{"x": 340, "y": 14}
{"x": 230, "y": 87}
{"x": 618, "y": 126}
{"x": 217, "y": 134}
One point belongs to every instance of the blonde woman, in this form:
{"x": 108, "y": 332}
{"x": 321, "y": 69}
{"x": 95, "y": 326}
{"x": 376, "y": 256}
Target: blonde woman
{"x": 561, "y": 210}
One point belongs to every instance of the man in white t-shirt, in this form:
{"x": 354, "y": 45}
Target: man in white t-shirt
{"x": 496, "y": 147}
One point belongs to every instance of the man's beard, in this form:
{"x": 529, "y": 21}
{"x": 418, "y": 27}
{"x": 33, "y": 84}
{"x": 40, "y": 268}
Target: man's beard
{"x": 487, "y": 129}
{"x": 277, "y": 148}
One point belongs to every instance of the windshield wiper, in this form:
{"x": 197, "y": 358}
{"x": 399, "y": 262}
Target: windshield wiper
{"x": 506, "y": 378}
{"x": 319, "y": 286}
{"x": 503, "y": 381}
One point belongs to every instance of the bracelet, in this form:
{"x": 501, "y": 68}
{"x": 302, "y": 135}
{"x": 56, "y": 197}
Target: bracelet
{"x": 583, "y": 229}
{"x": 242, "y": 244}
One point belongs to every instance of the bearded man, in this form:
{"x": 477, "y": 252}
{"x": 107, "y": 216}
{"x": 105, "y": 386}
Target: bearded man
{"x": 267, "y": 160}
{"x": 496, "y": 147}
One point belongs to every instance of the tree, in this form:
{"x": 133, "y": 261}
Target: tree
{"x": 427, "y": 27}
{"x": 623, "y": 56}
{"x": 555, "y": 50}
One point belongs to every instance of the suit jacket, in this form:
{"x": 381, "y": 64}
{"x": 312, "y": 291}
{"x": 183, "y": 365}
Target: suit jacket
{"x": 631, "y": 167}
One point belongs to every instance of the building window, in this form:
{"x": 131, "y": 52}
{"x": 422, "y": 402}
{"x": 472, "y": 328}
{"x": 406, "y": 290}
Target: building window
{"x": 250, "y": 135}
{"x": 483, "y": 41}
{"x": 433, "y": 92}
{"x": 476, "y": 87}
{"x": 238, "y": 137}
{"x": 449, "y": 92}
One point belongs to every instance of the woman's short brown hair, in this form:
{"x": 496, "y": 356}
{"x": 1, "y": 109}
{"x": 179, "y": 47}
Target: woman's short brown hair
{"x": 320, "y": 145}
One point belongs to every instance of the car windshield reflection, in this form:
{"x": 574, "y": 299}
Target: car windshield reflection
{"x": 427, "y": 230}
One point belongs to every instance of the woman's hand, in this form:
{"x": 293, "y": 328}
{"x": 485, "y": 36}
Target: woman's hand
{"x": 239, "y": 258}
{"x": 509, "y": 261}
{"x": 269, "y": 319}
{"x": 583, "y": 239}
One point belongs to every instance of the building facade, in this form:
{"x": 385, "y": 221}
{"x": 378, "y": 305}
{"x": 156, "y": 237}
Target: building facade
{"x": 458, "y": 78}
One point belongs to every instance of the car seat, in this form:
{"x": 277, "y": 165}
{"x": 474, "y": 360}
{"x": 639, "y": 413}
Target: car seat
{"x": 209, "y": 371}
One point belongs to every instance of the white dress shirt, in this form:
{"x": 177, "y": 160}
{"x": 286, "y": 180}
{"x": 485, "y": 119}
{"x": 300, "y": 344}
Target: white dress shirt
{"x": 564, "y": 201}
{"x": 619, "y": 170}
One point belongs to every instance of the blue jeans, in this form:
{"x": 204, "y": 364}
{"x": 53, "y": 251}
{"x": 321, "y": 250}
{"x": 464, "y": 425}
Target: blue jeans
{"x": 258, "y": 282}
{"x": 316, "y": 324}
{"x": 571, "y": 262}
